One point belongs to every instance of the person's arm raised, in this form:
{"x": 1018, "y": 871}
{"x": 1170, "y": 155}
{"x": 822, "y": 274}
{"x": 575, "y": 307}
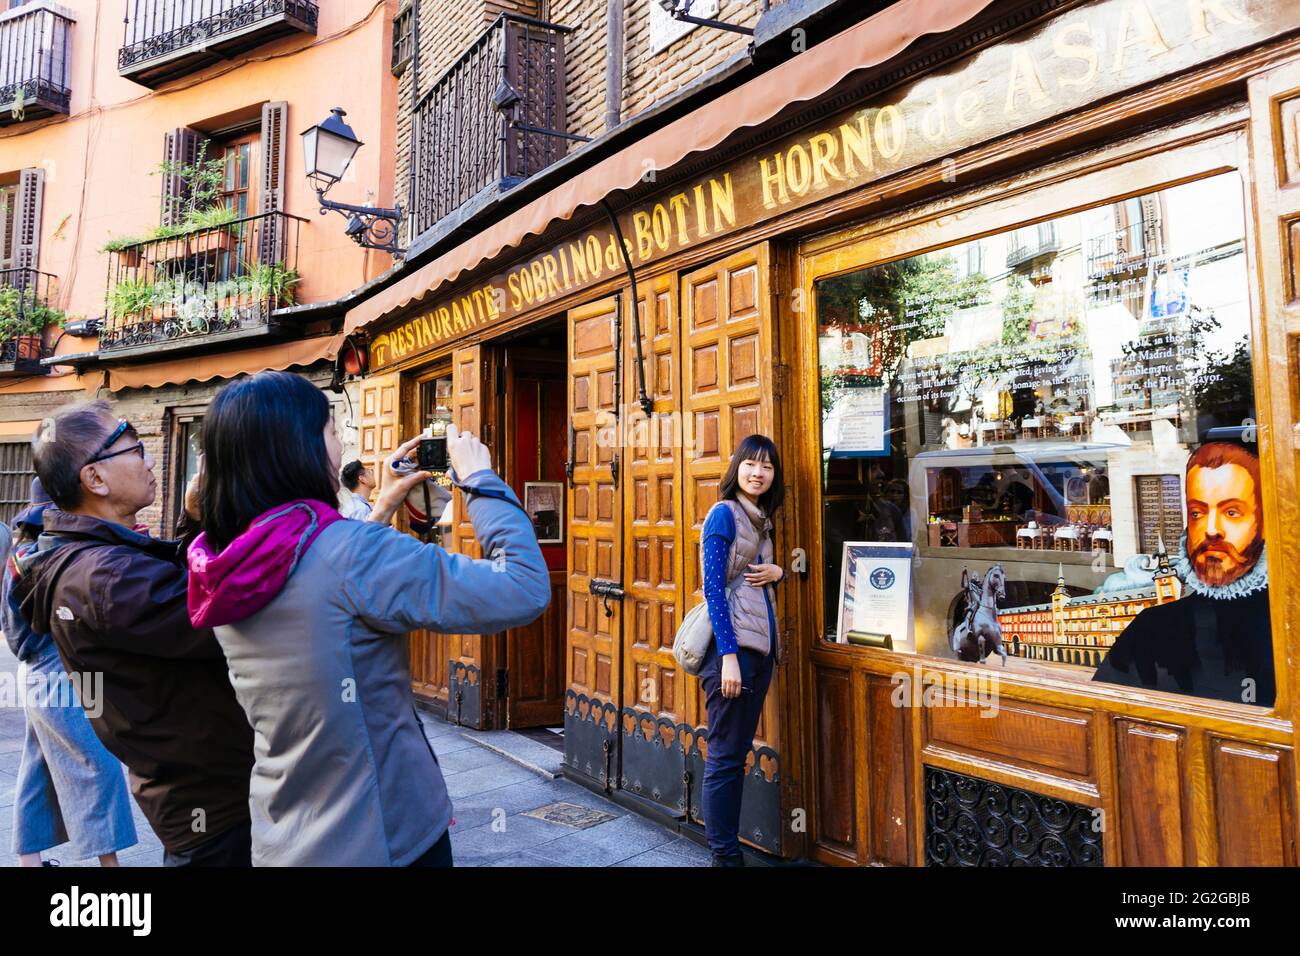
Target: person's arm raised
{"x": 403, "y": 585}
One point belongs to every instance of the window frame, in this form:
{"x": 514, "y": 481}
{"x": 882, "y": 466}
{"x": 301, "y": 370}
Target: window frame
{"x": 1198, "y": 149}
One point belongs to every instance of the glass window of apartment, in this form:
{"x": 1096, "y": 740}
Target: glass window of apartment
{"x": 1049, "y": 463}
{"x": 188, "y": 449}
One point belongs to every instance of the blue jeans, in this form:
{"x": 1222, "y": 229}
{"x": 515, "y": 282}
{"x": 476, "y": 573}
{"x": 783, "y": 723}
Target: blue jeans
{"x": 732, "y": 723}
{"x": 70, "y": 789}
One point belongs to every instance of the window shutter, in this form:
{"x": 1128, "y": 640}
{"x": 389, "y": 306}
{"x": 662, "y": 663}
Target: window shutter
{"x": 27, "y": 221}
{"x": 179, "y": 146}
{"x": 275, "y": 117}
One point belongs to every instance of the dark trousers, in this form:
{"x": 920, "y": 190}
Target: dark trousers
{"x": 233, "y": 847}
{"x": 732, "y": 723}
{"x": 437, "y": 855}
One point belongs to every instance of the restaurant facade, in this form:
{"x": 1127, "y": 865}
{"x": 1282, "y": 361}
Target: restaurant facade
{"x": 1013, "y": 287}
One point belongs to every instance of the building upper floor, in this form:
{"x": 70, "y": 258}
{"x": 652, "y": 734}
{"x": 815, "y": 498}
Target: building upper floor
{"x": 175, "y": 212}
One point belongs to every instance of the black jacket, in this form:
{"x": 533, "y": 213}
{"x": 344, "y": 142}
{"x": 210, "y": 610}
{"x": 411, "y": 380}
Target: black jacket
{"x": 1208, "y": 647}
{"x": 115, "y": 603}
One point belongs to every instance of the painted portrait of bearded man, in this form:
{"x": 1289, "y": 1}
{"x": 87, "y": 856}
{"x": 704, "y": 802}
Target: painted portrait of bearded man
{"x": 1215, "y": 641}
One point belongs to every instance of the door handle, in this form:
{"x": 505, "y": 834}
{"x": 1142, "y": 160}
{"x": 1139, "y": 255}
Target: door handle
{"x": 568, "y": 463}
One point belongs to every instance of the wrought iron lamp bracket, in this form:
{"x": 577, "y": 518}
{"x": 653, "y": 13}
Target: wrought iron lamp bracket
{"x": 371, "y": 227}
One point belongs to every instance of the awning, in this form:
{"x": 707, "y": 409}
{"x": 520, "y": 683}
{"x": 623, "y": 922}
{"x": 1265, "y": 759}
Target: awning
{"x": 804, "y": 77}
{"x": 202, "y": 368}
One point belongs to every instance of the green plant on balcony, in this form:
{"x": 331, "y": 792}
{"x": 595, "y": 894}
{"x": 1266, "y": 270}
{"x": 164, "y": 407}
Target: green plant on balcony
{"x": 200, "y": 308}
{"x": 198, "y": 208}
{"x": 22, "y": 314}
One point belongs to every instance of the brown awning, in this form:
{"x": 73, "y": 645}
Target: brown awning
{"x": 805, "y": 77}
{"x": 224, "y": 364}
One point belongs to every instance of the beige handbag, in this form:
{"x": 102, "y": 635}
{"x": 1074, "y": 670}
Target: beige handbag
{"x": 691, "y": 643}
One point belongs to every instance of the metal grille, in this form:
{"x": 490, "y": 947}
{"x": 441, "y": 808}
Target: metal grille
{"x": 225, "y": 278}
{"x": 462, "y": 142}
{"x": 34, "y": 57}
{"x": 154, "y": 28}
{"x": 973, "y": 822}
{"x": 16, "y": 474}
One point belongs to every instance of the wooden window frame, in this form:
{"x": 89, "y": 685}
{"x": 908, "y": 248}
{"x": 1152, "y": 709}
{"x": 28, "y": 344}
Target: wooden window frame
{"x": 1196, "y": 149}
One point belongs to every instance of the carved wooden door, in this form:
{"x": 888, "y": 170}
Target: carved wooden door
{"x": 472, "y": 693}
{"x": 595, "y": 557}
{"x": 655, "y": 729}
{"x": 729, "y": 356}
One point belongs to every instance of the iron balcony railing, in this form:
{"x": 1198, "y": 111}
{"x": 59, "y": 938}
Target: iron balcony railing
{"x": 35, "y": 47}
{"x": 477, "y": 131}
{"x": 226, "y": 278}
{"x": 1032, "y": 242}
{"x": 1121, "y": 250}
{"x": 25, "y": 311}
{"x": 156, "y": 30}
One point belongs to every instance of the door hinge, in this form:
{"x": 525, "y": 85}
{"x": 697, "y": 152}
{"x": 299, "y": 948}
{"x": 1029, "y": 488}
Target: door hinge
{"x": 503, "y": 676}
{"x": 780, "y": 380}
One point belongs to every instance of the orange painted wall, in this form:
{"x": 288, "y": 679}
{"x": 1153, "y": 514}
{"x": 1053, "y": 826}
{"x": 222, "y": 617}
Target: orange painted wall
{"x": 99, "y": 159}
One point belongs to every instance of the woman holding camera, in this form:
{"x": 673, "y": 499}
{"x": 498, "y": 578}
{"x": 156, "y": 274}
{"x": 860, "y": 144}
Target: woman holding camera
{"x": 312, "y": 612}
{"x": 736, "y": 553}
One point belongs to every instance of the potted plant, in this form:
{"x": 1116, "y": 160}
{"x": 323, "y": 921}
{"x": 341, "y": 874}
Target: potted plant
{"x": 23, "y": 319}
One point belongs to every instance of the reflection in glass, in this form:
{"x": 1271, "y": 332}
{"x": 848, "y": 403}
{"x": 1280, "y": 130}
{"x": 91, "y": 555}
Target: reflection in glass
{"x": 1027, "y": 402}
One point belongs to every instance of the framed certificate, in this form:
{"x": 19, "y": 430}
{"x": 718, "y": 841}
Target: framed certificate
{"x": 875, "y": 608}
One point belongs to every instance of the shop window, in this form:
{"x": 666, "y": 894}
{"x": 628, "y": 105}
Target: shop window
{"x": 188, "y": 449}
{"x": 16, "y": 474}
{"x": 1056, "y": 436}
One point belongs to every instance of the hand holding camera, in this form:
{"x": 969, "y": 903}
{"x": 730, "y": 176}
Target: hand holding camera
{"x": 461, "y": 450}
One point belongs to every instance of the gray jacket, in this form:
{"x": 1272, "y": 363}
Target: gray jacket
{"x": 343, "y": 775}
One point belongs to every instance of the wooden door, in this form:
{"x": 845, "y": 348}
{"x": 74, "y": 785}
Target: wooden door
{"x": 656, "y": 731}
{"x": 429, "y": 652}
{"x": 728, "y": 361}
{"x": 472, "y": 658}
{"x": 1258, "y": 789}
{"x": 536, "y": 433}
{"x": 595, "y": 555}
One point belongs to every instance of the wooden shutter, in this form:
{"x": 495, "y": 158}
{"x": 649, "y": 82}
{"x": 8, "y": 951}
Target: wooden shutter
{"x": 27, "y": 218}
{"x": 275, "y": 118}
{"x": 179, "y": 146}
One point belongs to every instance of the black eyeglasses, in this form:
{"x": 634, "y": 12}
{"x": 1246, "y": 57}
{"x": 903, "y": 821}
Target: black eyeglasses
{"x": 123, "y": 427}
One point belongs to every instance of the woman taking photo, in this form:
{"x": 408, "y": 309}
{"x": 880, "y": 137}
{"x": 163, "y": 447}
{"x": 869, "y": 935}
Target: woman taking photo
{"x": 312, "y": 612}
{"x": 736, "y": 554}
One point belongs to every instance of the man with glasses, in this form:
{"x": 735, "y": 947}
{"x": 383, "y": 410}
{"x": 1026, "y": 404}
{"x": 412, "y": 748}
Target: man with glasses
{"x": 114, "y": 601}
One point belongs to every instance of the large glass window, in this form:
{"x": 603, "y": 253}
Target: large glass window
{"x": 1039, "y": 449}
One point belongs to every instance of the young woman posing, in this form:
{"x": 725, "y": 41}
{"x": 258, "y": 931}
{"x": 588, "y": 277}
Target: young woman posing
{"x": 736, "y": 553}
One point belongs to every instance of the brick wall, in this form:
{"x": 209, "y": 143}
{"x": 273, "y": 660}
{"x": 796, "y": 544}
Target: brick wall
{"x": 449, "y": 26}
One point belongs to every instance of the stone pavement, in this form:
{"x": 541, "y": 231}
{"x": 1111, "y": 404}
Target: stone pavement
{"x": 505, "y": 814}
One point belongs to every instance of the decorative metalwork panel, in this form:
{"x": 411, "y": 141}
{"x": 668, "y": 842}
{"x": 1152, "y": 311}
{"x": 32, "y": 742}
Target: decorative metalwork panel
{"x": 654, "y": 760}
{"x": 974, "y": 822}
{"x": 464, "y": 694}
{"x": 760, "y": 800}
{"x": 589, "y": 737}
{"x": 200, "y": 282}
{"x": 35, "y": 51}
{"x": 157, "y": 28}
{"x": 25, "y": 312}
{"x": 462, "y": 140}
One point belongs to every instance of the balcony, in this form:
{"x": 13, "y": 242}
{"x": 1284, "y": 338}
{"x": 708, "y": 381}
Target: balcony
{"x": 35, "y": 49}
{"x": 1030, "y": 243}
{"x": 165, "y": 39}
{"x": 203, "y": 286}
{"x": 1122, "y": 251}
{"x": 25, "y": 311}
{"x": 474, "y": 134}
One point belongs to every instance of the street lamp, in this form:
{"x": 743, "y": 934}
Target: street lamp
{"x": 328, "y": 148}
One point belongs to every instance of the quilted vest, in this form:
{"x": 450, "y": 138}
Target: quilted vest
{"x": 748, "y": 609}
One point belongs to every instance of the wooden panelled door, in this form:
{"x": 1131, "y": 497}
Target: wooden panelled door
{"x": 707, "y": 344}
{"x": 472, "y": 658}
{"x": 728, "y": 384}
{"x": 595, "y": 518}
